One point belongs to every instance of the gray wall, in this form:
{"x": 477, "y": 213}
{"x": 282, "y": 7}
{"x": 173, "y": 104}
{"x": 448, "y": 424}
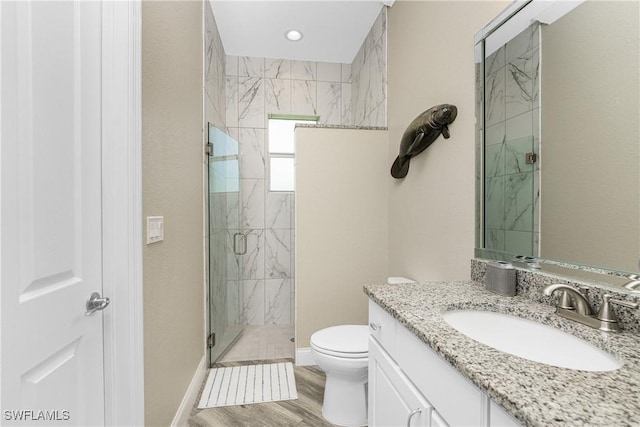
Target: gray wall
{"x": 172, "y": 186}
{"x": 590, "y": 133}
{"x": 341, "y": 225}
{"x": 430, "y": 62}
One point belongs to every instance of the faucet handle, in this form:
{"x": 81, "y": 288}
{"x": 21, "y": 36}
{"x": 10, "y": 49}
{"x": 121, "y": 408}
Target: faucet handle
{"x": 624, "y": 303}
{"x": 606, "y": 314}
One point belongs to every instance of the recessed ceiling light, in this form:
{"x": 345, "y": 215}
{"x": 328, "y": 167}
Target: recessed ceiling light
{"x": 293, "y": 35}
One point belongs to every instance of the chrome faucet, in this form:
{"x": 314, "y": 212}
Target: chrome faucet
{"x": 580, "y": 303}
{"x": 574, "y": 305}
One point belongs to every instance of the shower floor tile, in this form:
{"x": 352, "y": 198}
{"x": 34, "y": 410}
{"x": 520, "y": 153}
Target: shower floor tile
{"x": 262, "y": 342}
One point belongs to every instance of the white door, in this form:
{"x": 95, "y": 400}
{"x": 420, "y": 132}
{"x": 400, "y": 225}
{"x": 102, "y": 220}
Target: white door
{"x": 50, "y": 210}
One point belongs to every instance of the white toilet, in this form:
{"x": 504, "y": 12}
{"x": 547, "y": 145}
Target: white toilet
{"x": 342, "y": 352}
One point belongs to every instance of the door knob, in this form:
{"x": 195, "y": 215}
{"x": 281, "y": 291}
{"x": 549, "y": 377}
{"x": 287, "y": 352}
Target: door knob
{"x": 95, "y": 303}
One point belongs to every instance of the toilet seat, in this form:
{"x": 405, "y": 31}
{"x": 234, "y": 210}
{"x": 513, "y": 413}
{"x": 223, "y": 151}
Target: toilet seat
{"x": 345, "y": 341}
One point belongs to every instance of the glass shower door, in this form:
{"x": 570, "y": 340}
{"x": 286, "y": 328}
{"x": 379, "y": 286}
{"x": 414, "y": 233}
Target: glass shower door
{"x": 227, "y": 242}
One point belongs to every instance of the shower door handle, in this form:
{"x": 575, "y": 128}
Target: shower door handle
{"x": 239, "y": 243}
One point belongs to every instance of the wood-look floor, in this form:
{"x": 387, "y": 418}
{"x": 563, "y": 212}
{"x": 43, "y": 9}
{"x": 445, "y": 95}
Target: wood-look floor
{"x": 304, "y": 411}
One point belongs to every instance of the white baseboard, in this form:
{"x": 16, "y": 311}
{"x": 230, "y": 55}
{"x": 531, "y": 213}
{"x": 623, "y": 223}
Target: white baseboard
{"x": 189, "y": 399}
{"x": 304, "y": 357}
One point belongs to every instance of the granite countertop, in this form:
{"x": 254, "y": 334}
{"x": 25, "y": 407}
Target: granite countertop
{"x": 329, "y": 126}
{"x": 534, "y": 393}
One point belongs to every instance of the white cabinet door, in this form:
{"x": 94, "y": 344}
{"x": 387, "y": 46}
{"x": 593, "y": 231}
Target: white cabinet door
{"x": 393, "y": 400}
{"x": 50, "y": 200}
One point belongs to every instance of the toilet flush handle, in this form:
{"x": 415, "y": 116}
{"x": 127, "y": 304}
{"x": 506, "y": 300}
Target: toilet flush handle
{"x": 375, "y": 326}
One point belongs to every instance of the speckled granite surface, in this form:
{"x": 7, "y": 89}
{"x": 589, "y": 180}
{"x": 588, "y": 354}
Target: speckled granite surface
{"x": 534, "y": 393}
{"x": 530, "y": 283}
{"x": 323, "y": 126}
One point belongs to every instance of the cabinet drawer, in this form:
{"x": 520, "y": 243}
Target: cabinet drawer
{"x": 447, "y": 390}
{"x": 382, "y": 327}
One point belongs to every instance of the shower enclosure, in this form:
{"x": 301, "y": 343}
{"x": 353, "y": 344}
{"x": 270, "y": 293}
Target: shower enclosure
{"x": 227, "y": 242}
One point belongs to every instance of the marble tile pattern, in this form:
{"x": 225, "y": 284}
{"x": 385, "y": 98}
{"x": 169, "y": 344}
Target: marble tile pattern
{"x": 257, "y": 87}
{"x": 214, "y": 72}
{"x": 261, "y": 281}
{"x": 512, "y": 186}
{"x": 323, "y": 126}
{"x": 536, "y": 394}
{"x": 368, "y": 77}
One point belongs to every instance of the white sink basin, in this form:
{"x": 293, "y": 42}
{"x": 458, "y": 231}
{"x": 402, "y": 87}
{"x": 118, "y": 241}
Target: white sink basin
{"x": 530, "y": 340}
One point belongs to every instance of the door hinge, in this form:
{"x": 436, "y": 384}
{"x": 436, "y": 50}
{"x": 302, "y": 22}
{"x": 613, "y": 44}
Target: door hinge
{"x": 211, "y": 340}
{"x": 530, "y": 158}
{"x": 208, "y": 149}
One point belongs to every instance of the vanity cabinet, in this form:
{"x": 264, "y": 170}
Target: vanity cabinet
{"x": 405, "y": 375}
{"x": 393, "y": 399}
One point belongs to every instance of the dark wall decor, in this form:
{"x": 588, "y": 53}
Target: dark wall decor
{"x": 421, "y": 133}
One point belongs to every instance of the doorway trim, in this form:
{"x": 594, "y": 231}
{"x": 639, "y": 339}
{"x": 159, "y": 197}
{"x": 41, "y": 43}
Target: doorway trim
{"x": 122, "y": 212}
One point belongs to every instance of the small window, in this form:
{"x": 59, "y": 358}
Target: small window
{"x": 282, "y": 150}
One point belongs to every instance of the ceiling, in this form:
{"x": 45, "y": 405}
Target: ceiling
{"x": 333, "y": 30}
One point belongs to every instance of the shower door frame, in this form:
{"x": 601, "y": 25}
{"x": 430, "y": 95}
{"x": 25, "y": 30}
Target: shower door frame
{"x": 228, "y": 336}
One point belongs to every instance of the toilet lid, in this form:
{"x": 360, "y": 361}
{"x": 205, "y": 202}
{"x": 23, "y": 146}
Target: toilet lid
{"x": 345, "y": 339}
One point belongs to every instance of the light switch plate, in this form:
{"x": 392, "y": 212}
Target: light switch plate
{"x": 155, "y": 229}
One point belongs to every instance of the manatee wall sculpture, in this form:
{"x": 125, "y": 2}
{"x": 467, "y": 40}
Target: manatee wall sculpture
{"x": 421, "y": 133}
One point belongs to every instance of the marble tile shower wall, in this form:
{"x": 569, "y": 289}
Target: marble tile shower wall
{"x": 256, "y": 87}
{"x": 214, "y": 72}
{"x": 512, "y": 131}
{"x": 369, "y": 77}
{"x": 215, "y": 113}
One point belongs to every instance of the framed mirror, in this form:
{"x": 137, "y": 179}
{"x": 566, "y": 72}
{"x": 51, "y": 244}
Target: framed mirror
{"x": 558, "y": 137}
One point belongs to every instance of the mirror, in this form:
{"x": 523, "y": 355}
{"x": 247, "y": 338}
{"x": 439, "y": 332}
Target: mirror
{"x": 558, "y": 113}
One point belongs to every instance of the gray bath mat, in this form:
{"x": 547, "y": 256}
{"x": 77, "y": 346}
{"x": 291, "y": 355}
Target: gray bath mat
{"x": 242, "y": 385}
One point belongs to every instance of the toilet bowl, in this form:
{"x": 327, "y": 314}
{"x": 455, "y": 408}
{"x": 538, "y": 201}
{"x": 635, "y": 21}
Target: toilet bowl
{"x": 342, "y": 352}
